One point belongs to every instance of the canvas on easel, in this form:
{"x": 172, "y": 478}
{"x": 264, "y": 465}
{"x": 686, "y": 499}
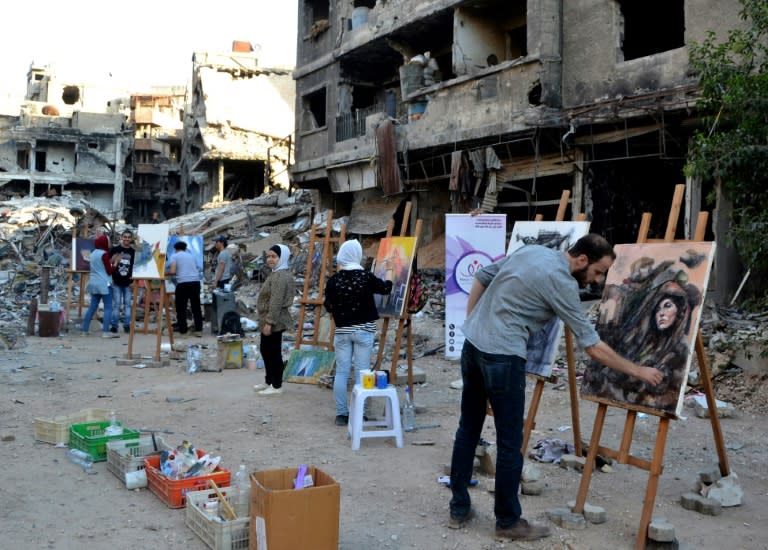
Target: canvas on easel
{"x": 394, "y": 261}
{"x": 307, "y": 366}
{"x": 650, "y": 315}
{"x": 81, "y": 253}
{"x": 151, "y": 247}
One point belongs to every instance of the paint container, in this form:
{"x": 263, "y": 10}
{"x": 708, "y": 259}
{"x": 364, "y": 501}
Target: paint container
{"x": 381, "y": 380}
{"x": 369, "y": 380}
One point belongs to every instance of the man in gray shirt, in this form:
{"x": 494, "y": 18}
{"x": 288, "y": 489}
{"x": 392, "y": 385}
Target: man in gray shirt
{"x": 509, "y": 301}
{"x": 187, "y": 275}
{"x": 223, "y": 272}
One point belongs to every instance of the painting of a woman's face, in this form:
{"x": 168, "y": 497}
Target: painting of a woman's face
{"x": 666, "y": 313}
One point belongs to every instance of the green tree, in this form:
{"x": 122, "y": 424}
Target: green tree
{"x": 733, "y": 75}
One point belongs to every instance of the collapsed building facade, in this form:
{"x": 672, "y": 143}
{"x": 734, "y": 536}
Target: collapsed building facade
{"x": 67, "y": 139}
{"x": 501, "y": 105}
{"x": 238, "y": 130}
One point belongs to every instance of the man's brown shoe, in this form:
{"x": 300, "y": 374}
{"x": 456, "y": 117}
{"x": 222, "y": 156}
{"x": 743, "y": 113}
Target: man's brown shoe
{"x": 460, "y": 522}
{"x": 522, "y": 530}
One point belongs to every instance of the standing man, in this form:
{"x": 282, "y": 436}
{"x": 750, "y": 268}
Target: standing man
{"x": 184, "y": 269}
{"x": 122, "y": 256}
{"x": 509, "y": 301}
{"x": 223, "y": 263}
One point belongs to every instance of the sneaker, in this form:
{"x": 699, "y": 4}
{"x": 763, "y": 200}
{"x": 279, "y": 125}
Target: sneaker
{"x": 113, "y": 329}
{"x": 522, "y": 530}
{"x": 126, "y": 329}
{"x": 110, "y": 335}
{"x": 461, "y": 522}
{"x": 342, "y": 420}
{"x": 457, "y": 384}
{"x": 271, "y": 391}
{"x": 259, "y": 387}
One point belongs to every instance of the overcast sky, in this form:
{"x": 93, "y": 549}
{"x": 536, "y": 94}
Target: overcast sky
{"x": 139, "y": 44}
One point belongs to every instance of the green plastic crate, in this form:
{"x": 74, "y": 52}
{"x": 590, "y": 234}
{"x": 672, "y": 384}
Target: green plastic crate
{"x": 90, "y": 438}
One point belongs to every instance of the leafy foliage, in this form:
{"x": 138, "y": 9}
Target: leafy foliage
{"x": 733, "y": 76}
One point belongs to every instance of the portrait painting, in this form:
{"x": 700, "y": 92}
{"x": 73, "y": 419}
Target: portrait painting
{"x": 81, "y": 253}
{"x": 306, "y": 366}
{"x": 394, "y": 261}
{"x": 542, "y": 345}
{"x": 650, "y": 314}
{"x": 151, "y": 246}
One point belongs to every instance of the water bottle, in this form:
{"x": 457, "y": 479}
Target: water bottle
{"x": 114, "y": 427}
{"x": 241, "y": 487}
{"x": 409, "y": 412}
{"x": 81, "y": 458}
{"x": 193, "y": 359}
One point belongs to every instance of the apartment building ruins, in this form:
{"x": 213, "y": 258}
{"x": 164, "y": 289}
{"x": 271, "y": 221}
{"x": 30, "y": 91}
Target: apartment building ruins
{"x": 500, "y": 104}
{"x": 67, "y": 139}
{"x": 238, "y": 130}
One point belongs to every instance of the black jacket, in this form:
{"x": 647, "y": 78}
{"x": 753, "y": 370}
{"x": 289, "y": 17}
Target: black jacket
{"x": 349, "y": 296}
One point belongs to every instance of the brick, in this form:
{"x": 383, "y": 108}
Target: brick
{"x": 593, "y": 514}
{"x": 661, "y": 531}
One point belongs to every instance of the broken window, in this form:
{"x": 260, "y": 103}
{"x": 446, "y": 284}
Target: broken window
{"x": 313, "y": 110}
{"x": 651, "y": 27}
{"x": 488, "y": 35}
{"x": 318, "y": 10}
{"x": 364, "y": 4}
{"x": 40, "y": 160}
{"x": 22, "y": 159}
{"x": 71, "y": 95}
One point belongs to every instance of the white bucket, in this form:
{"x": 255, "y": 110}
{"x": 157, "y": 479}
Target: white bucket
{"x": 136, "y": 480}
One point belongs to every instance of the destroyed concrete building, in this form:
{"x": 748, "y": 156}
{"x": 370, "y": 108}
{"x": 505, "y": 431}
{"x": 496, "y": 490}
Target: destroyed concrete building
{"x": 156, "y": 119}
{"x": 238, "y": 130}
{"x": 66, "y": 141}
{"x": 502, "y": 105}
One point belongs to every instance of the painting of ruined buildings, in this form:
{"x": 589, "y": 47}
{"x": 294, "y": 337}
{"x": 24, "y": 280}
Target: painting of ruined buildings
{"x": 650, "y": 314}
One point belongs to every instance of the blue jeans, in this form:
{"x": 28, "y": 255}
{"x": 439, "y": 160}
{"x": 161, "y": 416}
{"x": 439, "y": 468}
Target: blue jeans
{"x": 124, "y": 295}
{"x": 353, "y": 353}
{"x": 94, "y": 305}
{"x": 499, "y": 379}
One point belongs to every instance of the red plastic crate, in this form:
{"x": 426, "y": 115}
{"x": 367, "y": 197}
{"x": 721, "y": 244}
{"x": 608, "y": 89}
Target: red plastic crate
{"x": 174, "y": 492}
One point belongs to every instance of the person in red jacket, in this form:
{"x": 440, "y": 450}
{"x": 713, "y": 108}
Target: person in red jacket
{"x": 100, "y": 286}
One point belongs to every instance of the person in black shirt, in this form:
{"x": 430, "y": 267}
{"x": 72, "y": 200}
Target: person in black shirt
{"x": 122, "y": 256}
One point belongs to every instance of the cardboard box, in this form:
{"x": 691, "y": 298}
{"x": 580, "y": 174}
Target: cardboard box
{"x": 230, "y": 355}
{"x": 284, "y": 518}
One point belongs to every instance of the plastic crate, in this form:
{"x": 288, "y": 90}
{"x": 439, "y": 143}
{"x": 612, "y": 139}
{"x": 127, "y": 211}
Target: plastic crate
{"x": 128, "y": 455}
{"x": 90, "y": 438}
{"x": 215, "y": 533}
{"x": 174, "y": 491}
{"x": 56, "y": 430}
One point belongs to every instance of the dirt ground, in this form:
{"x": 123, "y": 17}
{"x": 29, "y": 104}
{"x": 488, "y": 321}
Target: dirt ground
{"x": 390, "y": 497}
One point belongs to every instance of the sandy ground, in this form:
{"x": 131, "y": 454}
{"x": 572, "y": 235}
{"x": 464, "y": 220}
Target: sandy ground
{"x": 390, "y": 497}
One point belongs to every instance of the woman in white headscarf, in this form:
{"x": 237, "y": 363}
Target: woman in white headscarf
{"x": 349, "y": 299}
{"x": 274, "y": 316}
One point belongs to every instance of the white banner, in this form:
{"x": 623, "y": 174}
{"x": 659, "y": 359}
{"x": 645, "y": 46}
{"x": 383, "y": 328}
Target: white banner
{"x": 471, "y": 242}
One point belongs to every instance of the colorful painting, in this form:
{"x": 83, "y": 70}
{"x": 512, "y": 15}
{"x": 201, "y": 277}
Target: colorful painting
{"x": 194, "y": 247}
{"x": 650, "y": 314}
{"x": 151, "y": 245}
{"x": 542, "y": 346}
{"x": 81, "y": 253}
{"x": 306, "y": 366}
{"x": 394, "y": 262}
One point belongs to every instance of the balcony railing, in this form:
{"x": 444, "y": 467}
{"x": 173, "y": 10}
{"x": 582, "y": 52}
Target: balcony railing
{"x": 352, "y": 125}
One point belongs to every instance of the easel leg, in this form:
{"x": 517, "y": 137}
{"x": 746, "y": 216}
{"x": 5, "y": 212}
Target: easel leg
{"x": 594, "y": 442}
{"x": 572, "y": 392}
{"x": 709, "y": 391}
{"x": 530, "y": 419}
{"x": 653, "y": 483}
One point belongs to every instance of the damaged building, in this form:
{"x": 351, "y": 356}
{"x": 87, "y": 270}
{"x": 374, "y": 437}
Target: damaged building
{"x": 238, "y": 131}
{"x": 67, "y": 140}
{"x": 501, "y": 105}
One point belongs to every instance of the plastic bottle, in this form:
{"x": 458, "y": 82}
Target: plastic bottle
{"x": 114, "y": 427}
{"x": 241, "y": 486}
{"x": 409, "y": 412}
{"x": 81, "y": 458}
{"x": 193, "y": 359}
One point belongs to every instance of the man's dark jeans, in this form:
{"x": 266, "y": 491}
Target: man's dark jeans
{"x": 499, "y": 379}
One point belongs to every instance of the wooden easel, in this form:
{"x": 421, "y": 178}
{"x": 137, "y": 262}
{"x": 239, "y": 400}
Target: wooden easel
{"x": 530, "y": 419}
{"x": 83, "y": 283}
{"x": 162, "y": 305}
{"x": 404, "y": 321}
{"x": 655, "y": 466}
{"x": 325, "y": 267}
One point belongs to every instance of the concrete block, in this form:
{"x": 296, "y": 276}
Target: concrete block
{"x": 533, "y": 488}
{"x": 563, "y": 517}
{"x": 726, "y": 491}
{"x": 701, "y": 409}
{"x": 530, "y": 473}
{"x": 710, "y": 474}
{"x": 703, "y": 505}
{"x": 593, "y": 514}
{"x": 573, "y": 462}
{"x": 661, "y": 531}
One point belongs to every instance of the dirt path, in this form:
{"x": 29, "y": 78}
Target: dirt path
{"x": 390, "y": 497}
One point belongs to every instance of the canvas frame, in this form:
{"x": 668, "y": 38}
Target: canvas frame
{"x": 394, "y": 262}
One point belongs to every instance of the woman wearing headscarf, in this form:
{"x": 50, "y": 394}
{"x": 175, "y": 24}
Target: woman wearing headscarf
{"x": 274, "y": 316}
{"x": 100, "y": 286}
{"x": 349, "y": 299}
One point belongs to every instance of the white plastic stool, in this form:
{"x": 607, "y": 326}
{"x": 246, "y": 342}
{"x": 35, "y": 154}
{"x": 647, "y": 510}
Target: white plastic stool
{"x": 391, "y": 420}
